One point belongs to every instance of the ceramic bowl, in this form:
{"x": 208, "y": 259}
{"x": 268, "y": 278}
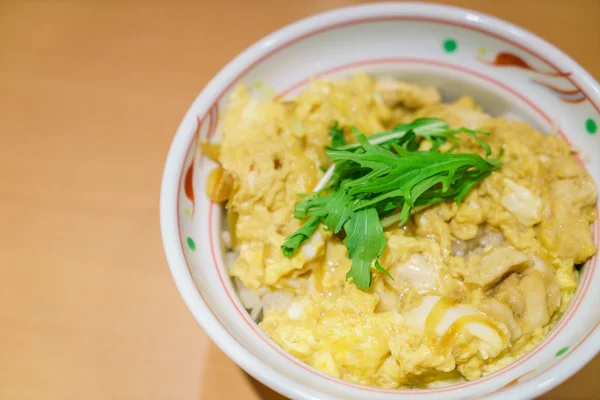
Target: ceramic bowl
{"x": 506, "y": 70}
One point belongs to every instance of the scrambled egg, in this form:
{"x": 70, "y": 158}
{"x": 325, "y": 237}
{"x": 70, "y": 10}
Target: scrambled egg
{"x": 476, "y": 285}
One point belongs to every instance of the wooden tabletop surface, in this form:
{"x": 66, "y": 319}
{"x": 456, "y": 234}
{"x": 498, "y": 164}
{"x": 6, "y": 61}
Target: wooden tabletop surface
{"x": 91, "y": 93}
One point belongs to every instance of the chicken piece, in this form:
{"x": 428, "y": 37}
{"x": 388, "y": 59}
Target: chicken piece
{"x": 420, "y": 272}
{"x": 457, "y": 114}
{"x": 396, "y": 93}
{"x": 389, "y": 300}
{"x": 565, "y": 233}
{"x": 536, "y": 305}
{"x": 508, "y": 293}
{"x": 553, "y": 295}
{"x": 566, "y": 166}
{"x": 502, "y": 313}
{"x": 522, "y": 203}
{"x": 532, "y": 298}
{"x": 416, "y": 264}
{"x": 490, "y": 268}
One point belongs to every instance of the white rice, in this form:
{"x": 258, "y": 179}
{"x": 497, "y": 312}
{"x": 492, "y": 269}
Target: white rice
{"x": 255, "y": 301}
{"x": 226, "y": 239}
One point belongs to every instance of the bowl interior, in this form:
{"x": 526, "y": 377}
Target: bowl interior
{"x": 506, "y": 70}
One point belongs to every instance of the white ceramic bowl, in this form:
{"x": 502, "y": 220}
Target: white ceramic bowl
{"x": 506, "y": 69}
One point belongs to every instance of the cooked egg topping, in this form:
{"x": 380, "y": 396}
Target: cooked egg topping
{"x": 471, "y": 287}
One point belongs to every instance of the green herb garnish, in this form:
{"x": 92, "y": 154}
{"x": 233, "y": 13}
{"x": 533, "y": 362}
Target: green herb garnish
{"x": 382, "y": 180}
{"x": 337, "y": 135}
{"x": 300, "y": 236}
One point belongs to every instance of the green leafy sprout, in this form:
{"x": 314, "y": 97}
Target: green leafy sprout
{"x": 337, "y": 135}
{"x": 382, "y": 180}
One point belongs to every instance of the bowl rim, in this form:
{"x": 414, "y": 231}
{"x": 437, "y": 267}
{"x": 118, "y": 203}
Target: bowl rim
{"x": 253, "y": 55}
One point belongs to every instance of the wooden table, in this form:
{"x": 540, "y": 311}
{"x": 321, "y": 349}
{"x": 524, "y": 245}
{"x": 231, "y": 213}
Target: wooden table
{"x": 91, "y": 93}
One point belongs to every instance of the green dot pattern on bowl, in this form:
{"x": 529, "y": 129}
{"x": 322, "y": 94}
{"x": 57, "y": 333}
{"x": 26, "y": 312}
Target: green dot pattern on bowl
{"x": 450, "y": 45}
{"x": 562, "y": 351}
{"x": 591, "y": 126}
{"x": 191, "y": 244}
